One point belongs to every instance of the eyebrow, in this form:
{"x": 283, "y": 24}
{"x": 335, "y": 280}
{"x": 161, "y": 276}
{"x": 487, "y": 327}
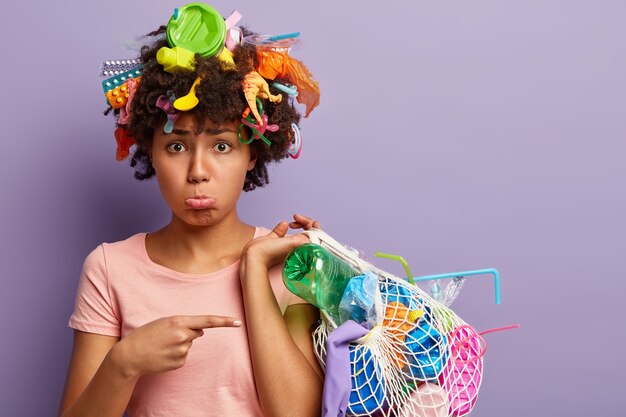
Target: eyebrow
{"x": 210, "y": 131}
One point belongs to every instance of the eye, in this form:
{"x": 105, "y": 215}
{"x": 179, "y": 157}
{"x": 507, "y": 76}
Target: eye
{"x": 176, "y": 147}
{"x": 222, "y": 147}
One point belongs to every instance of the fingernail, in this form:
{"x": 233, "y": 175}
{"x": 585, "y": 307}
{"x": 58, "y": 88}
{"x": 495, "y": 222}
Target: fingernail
{"x": 237, "y": 323}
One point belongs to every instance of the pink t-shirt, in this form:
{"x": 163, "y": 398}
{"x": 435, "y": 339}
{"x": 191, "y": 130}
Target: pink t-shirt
{"x": 121, "y": 288}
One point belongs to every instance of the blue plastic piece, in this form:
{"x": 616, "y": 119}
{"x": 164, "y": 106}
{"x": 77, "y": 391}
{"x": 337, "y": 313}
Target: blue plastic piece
{"x": 357, "y": 303}
{"x": 425, "y": 350}
{"x": 392, "y": 292}
{"x": 368, "y": 386}
{"x": 285, "y": 36}
{"x": 119, "y": 79}
{"x": 292, "y": 91}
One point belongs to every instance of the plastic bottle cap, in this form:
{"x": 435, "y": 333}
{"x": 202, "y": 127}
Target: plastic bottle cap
{"x": 197, "y": 27}
{"x": 166, "y": 56}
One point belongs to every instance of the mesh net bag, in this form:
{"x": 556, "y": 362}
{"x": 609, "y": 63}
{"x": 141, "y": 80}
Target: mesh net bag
{"x": 418, "y": 359}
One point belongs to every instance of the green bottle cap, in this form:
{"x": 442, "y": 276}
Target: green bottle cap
{"x": 197, "y": 27}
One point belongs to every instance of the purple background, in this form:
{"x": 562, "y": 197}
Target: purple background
{"x": 461, "y": 135}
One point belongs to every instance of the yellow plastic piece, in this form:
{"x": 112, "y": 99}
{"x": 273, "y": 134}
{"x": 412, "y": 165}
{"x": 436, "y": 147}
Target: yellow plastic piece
{"x": 226, "y": 58}
{"x": 255, "y": 86}
{"x": 175, "y": 59}
{"x": 189, "y": 101}
{"x": 414, "y": 315}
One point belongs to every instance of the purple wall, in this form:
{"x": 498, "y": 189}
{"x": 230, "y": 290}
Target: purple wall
{"x": 461, "y": 136}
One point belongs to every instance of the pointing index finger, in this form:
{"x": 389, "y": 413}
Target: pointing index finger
{"x": 208, "y": 321}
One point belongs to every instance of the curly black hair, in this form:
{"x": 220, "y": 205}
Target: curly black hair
{"x": 221, "y": 100}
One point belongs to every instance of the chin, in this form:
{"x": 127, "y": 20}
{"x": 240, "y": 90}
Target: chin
{"x": 198, "y": 218}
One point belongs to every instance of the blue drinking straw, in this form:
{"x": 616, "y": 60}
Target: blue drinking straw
{"x": 285, "y": 36}
{"x": 289, "y": 90}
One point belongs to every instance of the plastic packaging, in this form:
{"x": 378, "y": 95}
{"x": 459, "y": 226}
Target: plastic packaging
{"x": 358, "y": 300}
{"x": 317, "y": 276}
{"x": 451, "y": 291}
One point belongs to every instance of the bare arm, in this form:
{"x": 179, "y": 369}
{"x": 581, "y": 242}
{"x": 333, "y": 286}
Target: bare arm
{"x": 288, "y": 378}
{"x": 286, "y": 373}
{"x": 95, "y": 385}
{"x": 104, "y": 369}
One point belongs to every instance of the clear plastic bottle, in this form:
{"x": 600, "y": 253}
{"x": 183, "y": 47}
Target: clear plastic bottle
{"x": 319, "y": 277}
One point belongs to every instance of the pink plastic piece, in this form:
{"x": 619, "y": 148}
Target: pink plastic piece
{"x": 124, "y": 117}
{"x": 462, "y": 375}
{"x": 261, "y": 129}
{"x": 429, "y": 400}
{"x": 166, "y": 105}
{"x": 234, "y": 34}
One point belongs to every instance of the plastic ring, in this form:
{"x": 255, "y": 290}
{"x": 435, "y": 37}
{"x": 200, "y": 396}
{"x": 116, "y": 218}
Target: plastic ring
{"x": 241, "y": 139}
{"x": 296, "y": 145}
{"x": 255, "y": 134}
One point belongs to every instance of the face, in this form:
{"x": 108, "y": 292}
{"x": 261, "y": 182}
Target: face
{"x": 201, "y": 176}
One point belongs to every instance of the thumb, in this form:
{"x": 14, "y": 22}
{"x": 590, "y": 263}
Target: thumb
{"x": 280, "y": 229}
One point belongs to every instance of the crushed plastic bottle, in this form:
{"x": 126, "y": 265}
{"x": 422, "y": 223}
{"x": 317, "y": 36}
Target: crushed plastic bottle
{"x": 317, "y": 276}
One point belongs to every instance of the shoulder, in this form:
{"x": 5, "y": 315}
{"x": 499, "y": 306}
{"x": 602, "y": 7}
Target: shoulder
{"x": 133, "y": 246}
{"x": 99, "y": 256}
{"x": 128, "y": 243}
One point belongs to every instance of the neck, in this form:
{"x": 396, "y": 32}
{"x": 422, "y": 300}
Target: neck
{"x": 217, "y": 239}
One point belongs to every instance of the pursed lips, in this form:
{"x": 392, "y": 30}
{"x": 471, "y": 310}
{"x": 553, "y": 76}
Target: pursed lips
{"x": 200, "y": 202}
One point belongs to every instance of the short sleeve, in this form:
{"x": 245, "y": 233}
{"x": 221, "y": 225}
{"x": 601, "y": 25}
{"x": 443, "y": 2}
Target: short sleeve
{"x": 94, "y": 311}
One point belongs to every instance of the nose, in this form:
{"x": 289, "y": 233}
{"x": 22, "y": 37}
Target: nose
{"x": 198, "y": 168}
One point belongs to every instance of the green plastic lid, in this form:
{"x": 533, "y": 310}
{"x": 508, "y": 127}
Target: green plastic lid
{"x": 198, "y": 28}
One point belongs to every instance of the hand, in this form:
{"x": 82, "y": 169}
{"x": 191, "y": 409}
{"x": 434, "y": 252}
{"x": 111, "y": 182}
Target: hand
{"x": 304, "y": 222}
{"x": 272, "y": 249}
{"x": 162, "y": 345}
